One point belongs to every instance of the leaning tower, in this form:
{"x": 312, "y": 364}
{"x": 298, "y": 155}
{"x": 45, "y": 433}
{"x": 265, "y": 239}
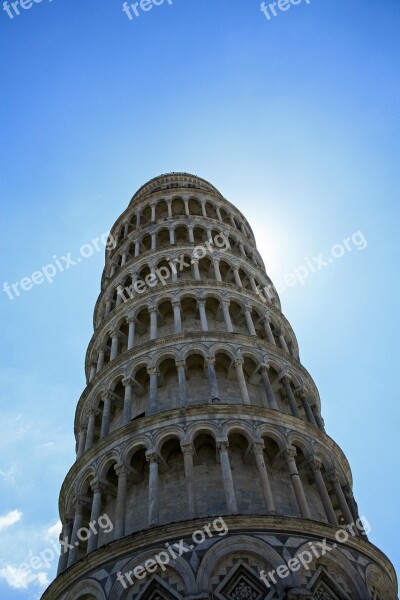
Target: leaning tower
{"x": 199, "y": 435}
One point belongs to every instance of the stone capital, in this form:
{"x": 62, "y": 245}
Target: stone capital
{"x": 180, "y": 363}
{"x": 258, "y": 448}
{"x": 315, "y": 464}
{"x": 152, "y": 370}
{"x": 210, "y": 360}
{"x": 121, "y": 469}
{"x": 187, "y": 449}
{"x": 222, "y": 446}
{"x": 152, "y": 457}
{"x": 290, "y": 452}
{"x": 98, "y": 486}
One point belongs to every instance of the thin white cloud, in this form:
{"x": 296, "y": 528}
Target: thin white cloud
{"x": 9, "y": 474}
{"x": 20, "y": 579}
{"x": 53, "y": 532}
{"x": 10, "y": 519}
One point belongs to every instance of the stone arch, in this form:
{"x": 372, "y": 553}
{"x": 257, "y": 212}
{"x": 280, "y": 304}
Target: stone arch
{"x": 88, "y": 589}
{"x": 177, "y": 569}
{"x": 379, "y": 583}
{"x": 167, "y": 433}
{"x": 242, "y": 545}
{"x": 337, "y": 564}
{"x": 243, "y": 428}
{"x": 107, "y": 461}
{"x": 140, "y": 442}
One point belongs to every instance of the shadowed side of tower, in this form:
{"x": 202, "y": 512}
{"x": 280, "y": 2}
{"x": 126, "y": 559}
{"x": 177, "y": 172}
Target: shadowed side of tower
{"x": 203, "y": 467}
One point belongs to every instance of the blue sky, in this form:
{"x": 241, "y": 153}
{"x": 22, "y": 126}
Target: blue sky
{"x": 294, "y": 119}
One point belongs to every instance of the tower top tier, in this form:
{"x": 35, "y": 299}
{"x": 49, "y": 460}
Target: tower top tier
{"x": 171, "y": 181}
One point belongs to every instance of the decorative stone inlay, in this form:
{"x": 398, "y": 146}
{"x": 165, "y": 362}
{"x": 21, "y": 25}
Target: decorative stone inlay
{"x": 321, "y": 595}
{"x": 243, "y": 591}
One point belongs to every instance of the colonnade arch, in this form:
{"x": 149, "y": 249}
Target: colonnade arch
{"x": 176, "y": 206}
{"x": 186, "y": 311}
{"x": 153, "y": 481}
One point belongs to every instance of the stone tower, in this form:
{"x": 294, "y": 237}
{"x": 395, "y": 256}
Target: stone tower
{"x": 203, "y": 468}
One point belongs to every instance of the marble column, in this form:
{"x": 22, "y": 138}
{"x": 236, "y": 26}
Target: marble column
{"x": 172, "y": 236}
{"x": 227, "y": 316}
{"x": 212, "y": 378}
{"x": 290, "y": 453}
{"x": 249, "y": 321}
{"x": 105, "y": 420}
{"x": 315, "y": 466}
{"x": 236, "y": 275}
{"x": 153, "y": 212}
{"x": 93, "y": 369}
{"x": 188, "y": 451}
{"x": 169, "y": 208}
{"x": 174, "y": 270}
{"x": 307, "y": 408}
{"x": 64, "y": 551}
{"x": 137, "y": 248}
{"x": 352, "y": 504}
{"x": 217, "y": 210}
{"x": 253, "y": 284}
{"x": 242, "y": 381}
{"x": 272, "y": 403}
{"x": 203, "y": 210}
{"x": 131, "y": 332}
{"x": 191, "y": 236}
{"x": 153, "y": 241}
{"x": 107, "y": 308}
{"x": 120, "y": 294}
{"x": 216, "y": 269}
{"x": 186, "y": 203}
{"x": 203, "y": 316}
{"x": 90, "y": 429}
{"x": 98, "y": 488}
{"x": 227, "y": 478}
{"x": 318, "y": 418}
{"x": 182, "y": 391}
{"x": 292, "y": 400}
{"x": 268, "y": 331}
{"x": 152, "y": 459}
{"x": 120, "y": 511}
{"x": 177, "y": 316}
{"x": 337, "y": 488}
{"x": 196, "y": 271}
{"x": 73, "y": 552}
{"x": 100, "y": 359}
{"x": 81, "y": 442}
{"x": 114, "y": 345}
{"x": 153, "y": 400}
{"x": 153, "y": 323}
{"x": 258, "y": 451}
{"x": 282, "y": 342}
{"x": 127, "y": 413}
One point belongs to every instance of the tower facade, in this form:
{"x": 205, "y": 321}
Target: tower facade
{"x": 203, "y": 468}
